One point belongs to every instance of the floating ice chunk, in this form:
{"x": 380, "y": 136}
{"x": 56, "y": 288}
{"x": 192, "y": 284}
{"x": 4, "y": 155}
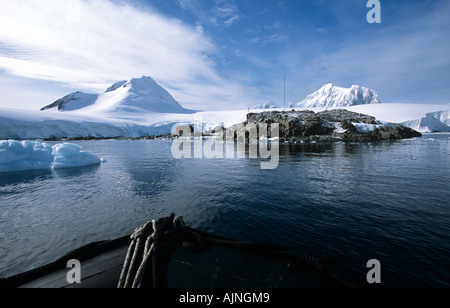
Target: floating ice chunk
{"x": 25, "y": 155}
{"x": 66, "y": 149}
{"x": 28, "y": 155}
{"x": 70, "y": 155}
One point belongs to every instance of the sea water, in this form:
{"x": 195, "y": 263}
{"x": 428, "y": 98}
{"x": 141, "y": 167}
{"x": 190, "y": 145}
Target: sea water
{"x": 387, "y": 201}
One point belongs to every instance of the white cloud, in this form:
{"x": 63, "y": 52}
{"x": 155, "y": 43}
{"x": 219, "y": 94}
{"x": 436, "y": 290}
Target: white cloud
{"x": 268, "y": 39}
{"x": 197, "y": 10}
{"x": 226, "y": 12}
{"x": 223, "y": 13}
{"x": 90, "y": 44}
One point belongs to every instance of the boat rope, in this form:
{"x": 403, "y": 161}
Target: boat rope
{"x": 148, "y": 253}
{"x": 146, "y": 245}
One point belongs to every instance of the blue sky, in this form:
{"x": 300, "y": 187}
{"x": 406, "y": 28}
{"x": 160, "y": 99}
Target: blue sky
{"x": 224, "y": 54}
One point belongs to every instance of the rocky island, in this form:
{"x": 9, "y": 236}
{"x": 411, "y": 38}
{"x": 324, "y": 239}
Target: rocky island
{"x": 327, "y": 126}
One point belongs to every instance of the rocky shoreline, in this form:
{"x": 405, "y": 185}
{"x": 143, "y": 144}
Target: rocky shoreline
{"x": 329, "y": 126}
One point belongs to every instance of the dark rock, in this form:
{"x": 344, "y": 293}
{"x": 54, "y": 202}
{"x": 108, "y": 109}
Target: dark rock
{"x": 308, "y": 126}
{"x": 348, "y": 126}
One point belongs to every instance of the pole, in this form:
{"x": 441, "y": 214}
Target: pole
{"x": 284, "y": 92}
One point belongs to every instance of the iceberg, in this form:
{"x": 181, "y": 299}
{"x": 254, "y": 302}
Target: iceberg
{"x": 70, "y": 155}
{"x": 18, "y": 156}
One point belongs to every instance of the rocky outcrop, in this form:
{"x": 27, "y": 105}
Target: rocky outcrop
{"x": 329, "y": 125}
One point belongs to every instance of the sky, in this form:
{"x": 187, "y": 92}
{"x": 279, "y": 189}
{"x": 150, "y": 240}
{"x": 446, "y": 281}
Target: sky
{"x": 224, "y": 54}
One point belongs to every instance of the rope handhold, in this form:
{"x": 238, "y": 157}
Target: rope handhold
{"x": 147, "y": 257}
{"x": 145, "y": 247}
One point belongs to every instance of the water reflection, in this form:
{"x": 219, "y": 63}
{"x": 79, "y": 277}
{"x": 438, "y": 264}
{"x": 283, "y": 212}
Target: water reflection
{"x": 73, "y": 173}
{"x": 355, "y": 201}
{"x": 14, "y": 178}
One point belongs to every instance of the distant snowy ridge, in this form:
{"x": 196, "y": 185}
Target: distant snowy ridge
{"x": 134, "y": 96}
{"x": 266, "y": 105}
{"x": 331, "y": 96}
{"x": 33, "y": 155}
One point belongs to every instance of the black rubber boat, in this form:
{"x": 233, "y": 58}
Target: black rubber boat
{"x": 176, "y": 256}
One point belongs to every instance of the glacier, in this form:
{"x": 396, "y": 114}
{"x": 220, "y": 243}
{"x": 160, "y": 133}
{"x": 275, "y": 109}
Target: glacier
{"x": 432, "y": 122}
{"x": 30, "y": 124}
{"x": 424, "y": 118}
{"x": 18, "y": 156}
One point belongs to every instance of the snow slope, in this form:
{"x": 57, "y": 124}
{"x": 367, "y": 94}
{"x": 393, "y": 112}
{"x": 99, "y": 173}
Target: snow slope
{"x": 73, "y": 101}
{"x": 28, "y": 155}
{"x": 26, "y": 124}
{"x": 20, "y": 124}
{"x": 134, "y": 96}
{"x": 331, "y": 96}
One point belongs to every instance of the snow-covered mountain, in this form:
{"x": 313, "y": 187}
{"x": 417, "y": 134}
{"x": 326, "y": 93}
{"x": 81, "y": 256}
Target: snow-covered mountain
{"x": 138, "y": 95}
{"x": 331, "y": 96}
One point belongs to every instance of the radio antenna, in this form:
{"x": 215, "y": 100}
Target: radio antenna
{"x": 284, "y": 92}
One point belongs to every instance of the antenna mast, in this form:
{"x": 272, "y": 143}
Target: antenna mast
{"x": 284, "y": 92}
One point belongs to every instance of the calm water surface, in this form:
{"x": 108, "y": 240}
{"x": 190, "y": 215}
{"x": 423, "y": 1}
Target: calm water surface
{"x": 385, "y": 201}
